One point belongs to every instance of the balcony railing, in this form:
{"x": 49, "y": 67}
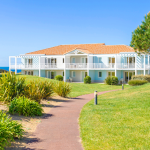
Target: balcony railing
{"x": 125, "y": 65}
{"x": 52, "y": 65}
{"x": 81, "y": 66}
{"x": 76, "y": 65}
{"x": 101, "y": 65}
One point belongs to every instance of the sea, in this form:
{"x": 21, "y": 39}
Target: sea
{"x": 7, "y": 69}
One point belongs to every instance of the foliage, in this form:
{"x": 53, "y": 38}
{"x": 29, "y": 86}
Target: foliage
{"x": 111, "y": 80}
{"x": 141, "y": 77}
{"x": 62, "y": 88}
{"x": 47, "y": 88}
{"x": 122, "y": 116}
{"x": 37, "y": 90}
{"x": 141, "y": 36}
{"x": 26, "y": 107}
{"x": 11, "y": 86}
{"x": 137, "y": 82}
{"x": 9, "y": 130}
{"x": 87, "y": 79}
{"x": 77, "y": 89}
{"x": 59, "y": 78}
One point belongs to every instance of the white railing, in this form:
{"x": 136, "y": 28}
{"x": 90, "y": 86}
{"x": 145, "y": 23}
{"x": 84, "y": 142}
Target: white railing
{"x": 22, "y": 66}
{"x": 52, "y": 65}
{"x": 81, "y": 65}
{"x": 125, "y": 65}
{"x": 101, "y": 65}
{"x": 76, "y": 65}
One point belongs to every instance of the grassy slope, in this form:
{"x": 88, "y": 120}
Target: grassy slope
{"x": 78, "y": 88}
{"x": 121, "y": 120}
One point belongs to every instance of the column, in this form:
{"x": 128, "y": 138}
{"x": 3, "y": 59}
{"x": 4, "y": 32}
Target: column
{"x": 15, "y": 64}
{"x": 64, "y": 68}
{"x": 144, "y": 64}
{"x": 116, "y": 65}
{"x": 135, "y": 64}
{"x": 128, "y": 60}
{"x": 39, "y": 66}
{"x": 88, "y": 65}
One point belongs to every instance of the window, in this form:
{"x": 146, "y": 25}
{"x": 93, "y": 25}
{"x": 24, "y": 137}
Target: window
{"x": 111, "y": 74}
{"x": 100, "y": 60}
{"x": 29, "y": 73}
{"x": 73, "y": 60}
{"x": 73, "y": 73}
{"x": 63, "y": 73}
{"x": 63, "y": 60}
{"x": 99, "y": 74}
{"x": 30, "y": 61}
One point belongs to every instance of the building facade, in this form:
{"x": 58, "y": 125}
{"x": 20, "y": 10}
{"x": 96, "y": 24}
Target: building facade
{"x": 77, "y": 61}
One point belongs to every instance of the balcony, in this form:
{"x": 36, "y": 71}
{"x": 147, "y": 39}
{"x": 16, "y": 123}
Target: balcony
{"x": 101, "y": 65}
{"x": 76, "y": 65}
{"x": 125, "y": 65}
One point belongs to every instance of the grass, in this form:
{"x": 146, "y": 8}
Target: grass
{"x": 79, "y": 88}
{"x": 120, "y": 121}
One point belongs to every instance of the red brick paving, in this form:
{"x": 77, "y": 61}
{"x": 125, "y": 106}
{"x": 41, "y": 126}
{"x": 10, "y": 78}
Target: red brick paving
{"x": 60, "y": 130}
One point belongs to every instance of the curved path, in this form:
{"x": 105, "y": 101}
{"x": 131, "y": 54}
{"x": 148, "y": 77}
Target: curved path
{"x": 60, "y": 130}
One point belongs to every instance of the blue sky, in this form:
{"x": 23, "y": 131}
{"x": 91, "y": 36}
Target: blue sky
{"x": 30, "y": 25}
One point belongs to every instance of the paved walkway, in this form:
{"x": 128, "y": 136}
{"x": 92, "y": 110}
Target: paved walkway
{"x": 60, "y": 130}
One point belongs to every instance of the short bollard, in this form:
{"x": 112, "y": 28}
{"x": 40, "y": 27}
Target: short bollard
{"x": 122, "y": 87}
{"x": 95, "y": 97}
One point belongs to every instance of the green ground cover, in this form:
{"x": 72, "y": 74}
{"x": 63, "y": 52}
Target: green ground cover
{"x": 78, "y": 88}
{"x": 121, "y": 120}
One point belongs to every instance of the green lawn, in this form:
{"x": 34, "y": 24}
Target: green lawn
{"x": 79, "y": 88}
{"x": 121, "y": 120}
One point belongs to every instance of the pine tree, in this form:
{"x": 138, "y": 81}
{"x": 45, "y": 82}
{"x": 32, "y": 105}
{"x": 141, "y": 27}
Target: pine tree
{"x": 141, "y": 36}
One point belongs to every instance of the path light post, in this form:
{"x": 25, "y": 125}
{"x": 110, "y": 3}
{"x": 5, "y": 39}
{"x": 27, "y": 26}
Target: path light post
{"x": 122, "y": 86}
{"x": 95, "y": 97}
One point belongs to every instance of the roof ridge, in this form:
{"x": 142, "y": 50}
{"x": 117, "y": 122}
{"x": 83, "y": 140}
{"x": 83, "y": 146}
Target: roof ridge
{"x": 82, "y": 44}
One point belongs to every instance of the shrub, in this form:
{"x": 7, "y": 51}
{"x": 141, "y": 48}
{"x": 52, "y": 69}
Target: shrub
{"x": 38, "y": 90}
{"x": 26, "y": 107}
{"x": 59, "y": 78}
{"x": 141, "y": 77}
{"x": 137, "y": 82}
{"x": 87, "y": 79}
{"x": 11, "y": 86}
{"x": 9, "y": 130}
{"x": 62, "y": 88}
{"x": 111, "y": 80}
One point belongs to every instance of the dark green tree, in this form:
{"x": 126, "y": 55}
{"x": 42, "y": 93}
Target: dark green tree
{"x": 141, "y": 36}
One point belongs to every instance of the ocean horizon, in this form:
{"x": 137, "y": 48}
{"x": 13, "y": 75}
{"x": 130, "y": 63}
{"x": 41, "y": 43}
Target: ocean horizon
{"x": 7, "y": 69}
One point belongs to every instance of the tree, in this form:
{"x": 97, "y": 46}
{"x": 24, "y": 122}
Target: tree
{"x": 141, "y": 36}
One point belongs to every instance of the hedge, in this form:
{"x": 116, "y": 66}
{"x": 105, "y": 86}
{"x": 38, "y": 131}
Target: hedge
{"x": 87, "y": 79}
{"x": 111, "y": 80}
{"x": 141, "y": 77}
{"x": 137, "y": 82}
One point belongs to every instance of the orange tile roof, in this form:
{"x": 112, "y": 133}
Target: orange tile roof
{"x": 100, "y": 48}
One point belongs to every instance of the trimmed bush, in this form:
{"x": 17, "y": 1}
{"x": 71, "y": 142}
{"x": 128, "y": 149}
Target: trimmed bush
{"x": 11, "y": 86}
{"x": 59, "y": 78}
{"x": 39, "y": 90}
{"x": 62, "y": 88}
{"x": 87, "y": 79}
{"x": 141, "y": 77}
{"x": 9, "y": 130}
{"x": 26, "y": 107}
{"x": 137, "y": 82}
{"x": 111, "y": 80}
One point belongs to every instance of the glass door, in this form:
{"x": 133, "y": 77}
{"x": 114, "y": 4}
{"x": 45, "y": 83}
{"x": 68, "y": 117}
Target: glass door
{"x": 52, "y": 75}
{"x": 126, "y": 77}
